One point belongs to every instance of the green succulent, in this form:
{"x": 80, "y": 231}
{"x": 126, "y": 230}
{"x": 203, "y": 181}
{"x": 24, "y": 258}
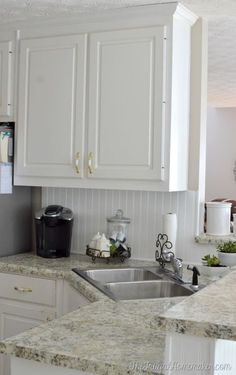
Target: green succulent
{"x": 227, "y": 247}
{"x": 113, "y": 249}
{"x": 212, "y": 261}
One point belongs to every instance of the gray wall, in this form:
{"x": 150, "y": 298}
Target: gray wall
{"x": 16, "y": 221}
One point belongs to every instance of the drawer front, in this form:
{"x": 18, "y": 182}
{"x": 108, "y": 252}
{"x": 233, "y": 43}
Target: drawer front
{"x": 28, "y": 289}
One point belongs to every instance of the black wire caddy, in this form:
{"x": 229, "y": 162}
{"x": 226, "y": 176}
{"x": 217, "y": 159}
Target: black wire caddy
{"x": 119, "y": 254}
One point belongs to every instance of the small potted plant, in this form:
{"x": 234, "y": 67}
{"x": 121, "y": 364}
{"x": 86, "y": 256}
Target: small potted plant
{"x": 212, "y": 266}
{"x": 211, "y": 261}
{"x": 227, "y": 253}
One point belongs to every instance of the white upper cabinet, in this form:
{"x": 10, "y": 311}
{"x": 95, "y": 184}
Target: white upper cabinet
{"x": 115, "y": 116}
{"x": 126, "y": 103}
{"x": 5, "y": 79}
{"x": 51, "y": 106}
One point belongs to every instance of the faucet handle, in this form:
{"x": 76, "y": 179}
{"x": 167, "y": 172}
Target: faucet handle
{"x": 196, "y": 273}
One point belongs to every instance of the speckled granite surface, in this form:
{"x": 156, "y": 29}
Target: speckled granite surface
{"x": 213, "y": 240}
{"x": 28, "y": 264}
{"x": 210, "y": 313}
{"x": 115, "y": 338}
{"x": 102, "y": 338}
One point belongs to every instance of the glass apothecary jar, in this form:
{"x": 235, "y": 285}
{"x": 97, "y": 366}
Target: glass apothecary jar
{"x": 117, "y": 227}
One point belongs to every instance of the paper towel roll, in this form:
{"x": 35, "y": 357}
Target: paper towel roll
{"x": 169, "y": 227}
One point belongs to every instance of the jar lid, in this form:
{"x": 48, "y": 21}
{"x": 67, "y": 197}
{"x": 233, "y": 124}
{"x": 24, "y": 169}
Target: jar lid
{"x": 118, "y": 218}
{"x": 218, "y": 204}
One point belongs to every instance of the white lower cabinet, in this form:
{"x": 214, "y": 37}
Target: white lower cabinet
{"x": 72, "y": 299}
{"x": 14, "y": 319}
{"x": 186, "y": 354}
{"x": 26, "y": 302}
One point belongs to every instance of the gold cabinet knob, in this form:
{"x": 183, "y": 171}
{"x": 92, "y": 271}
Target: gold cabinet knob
{"x": 77, "y": 162}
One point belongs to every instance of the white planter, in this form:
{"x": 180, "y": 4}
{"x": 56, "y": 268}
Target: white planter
{"x": 227, "y": 259}
{"x": 212, "y": 272}
{"x": 218, "y": 218}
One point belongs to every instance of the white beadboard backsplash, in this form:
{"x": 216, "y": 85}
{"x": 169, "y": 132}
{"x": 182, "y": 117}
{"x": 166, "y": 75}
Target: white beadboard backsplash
{"x": 91, "y": 207}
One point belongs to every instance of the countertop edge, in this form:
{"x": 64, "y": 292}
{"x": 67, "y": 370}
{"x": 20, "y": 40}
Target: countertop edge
{"x": 193, "y": 328}
{"x": 65, "y": 361}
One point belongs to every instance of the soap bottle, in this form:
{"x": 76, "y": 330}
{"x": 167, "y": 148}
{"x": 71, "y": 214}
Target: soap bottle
{"x": 104, "y": 246}
{"x": 94, "y": 243}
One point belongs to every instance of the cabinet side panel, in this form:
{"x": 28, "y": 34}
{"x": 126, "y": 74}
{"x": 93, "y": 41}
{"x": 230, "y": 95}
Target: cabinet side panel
{"x": 180, "y": 105}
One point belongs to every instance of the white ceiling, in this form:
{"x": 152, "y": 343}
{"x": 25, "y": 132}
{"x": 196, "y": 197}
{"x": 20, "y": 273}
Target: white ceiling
{"x": 221, "y": 15}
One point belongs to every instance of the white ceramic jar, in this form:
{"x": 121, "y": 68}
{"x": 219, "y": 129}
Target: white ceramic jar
{"x": 234, "y": 221}
{"x": 218, "y": 218}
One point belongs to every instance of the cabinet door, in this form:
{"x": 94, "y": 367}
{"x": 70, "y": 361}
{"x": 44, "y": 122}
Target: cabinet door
{"x": 126, "y": 95}
{"x": 51, "y": 106}
{"x": 72, "y": 299}
{"x": 16, "y": 318}
{"x": 5, "y": 78}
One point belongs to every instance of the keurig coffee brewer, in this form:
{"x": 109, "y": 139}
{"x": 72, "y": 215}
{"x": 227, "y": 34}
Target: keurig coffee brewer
{"x": 53, "y": 231}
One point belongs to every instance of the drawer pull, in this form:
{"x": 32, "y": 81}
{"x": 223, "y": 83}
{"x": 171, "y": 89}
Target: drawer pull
{"x": 23, "y": 290}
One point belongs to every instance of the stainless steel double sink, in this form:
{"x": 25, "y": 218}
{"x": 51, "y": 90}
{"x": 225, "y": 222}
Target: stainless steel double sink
{"x": 135, "y": 283}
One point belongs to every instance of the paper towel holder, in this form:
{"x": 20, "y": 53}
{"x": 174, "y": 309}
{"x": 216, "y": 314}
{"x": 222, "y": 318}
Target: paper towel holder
{"x": 163, "y": 253}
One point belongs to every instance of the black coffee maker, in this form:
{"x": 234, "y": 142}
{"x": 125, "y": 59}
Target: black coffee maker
{"x": 53, "y": 231}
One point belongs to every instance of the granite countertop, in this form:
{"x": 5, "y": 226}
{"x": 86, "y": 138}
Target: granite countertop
{"x": 101, "y": 338}
{"x": 209, "y": 313}
{"x": 205, "y": 239}
{"x": 114, "y": 338}
{"x": 28, "y": 264}
{"x": 105, "y": 337}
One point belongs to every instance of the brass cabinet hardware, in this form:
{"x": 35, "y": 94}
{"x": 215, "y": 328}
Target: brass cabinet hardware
{"x": 23, "y": 290}
{"x": 77, "y": 160}
{"x": 90, "y": 163}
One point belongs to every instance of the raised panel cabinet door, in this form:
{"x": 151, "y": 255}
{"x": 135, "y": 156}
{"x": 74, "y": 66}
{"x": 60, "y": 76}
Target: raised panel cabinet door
{"x": 126, "y": 101}
{"x": 15, "y": 319}
{"x": 5, "y": 77}
{"x": 51, "y": 106}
